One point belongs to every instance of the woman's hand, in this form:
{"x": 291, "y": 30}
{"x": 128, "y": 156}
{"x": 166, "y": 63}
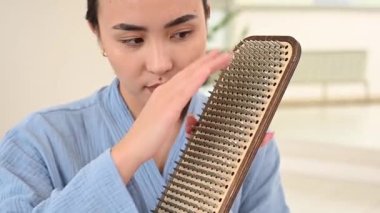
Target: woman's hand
{"x": 162, "y": 112}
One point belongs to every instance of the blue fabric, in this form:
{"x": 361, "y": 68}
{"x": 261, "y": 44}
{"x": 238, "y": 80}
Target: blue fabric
{"x": 58, "y": 160}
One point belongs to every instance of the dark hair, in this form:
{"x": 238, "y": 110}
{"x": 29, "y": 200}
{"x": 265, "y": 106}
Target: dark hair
{"x": 92, "y": 11}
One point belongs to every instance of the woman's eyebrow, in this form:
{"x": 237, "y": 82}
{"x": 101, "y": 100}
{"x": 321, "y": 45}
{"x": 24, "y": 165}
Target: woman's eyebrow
{"x": 180, "y": 20}
{"x": 175, "y": 22}
{"x": 129, "y": 27}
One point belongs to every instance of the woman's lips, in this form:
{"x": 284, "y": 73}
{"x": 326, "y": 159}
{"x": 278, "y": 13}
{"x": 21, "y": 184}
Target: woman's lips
{"x": 153, "y": 87}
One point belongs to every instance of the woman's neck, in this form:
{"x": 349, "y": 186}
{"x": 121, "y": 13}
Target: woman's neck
{"x": 133, "y": 104}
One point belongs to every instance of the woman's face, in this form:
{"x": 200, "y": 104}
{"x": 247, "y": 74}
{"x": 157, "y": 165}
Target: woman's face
{"x": 148, "y": 41}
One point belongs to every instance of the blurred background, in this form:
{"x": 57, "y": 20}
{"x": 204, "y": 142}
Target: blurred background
{"x": 326, "y": 125}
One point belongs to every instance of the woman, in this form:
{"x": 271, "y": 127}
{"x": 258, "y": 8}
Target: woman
{"x": 113, "y": 151}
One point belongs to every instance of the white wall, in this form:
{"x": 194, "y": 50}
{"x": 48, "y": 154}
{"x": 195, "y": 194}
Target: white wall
{"x": 48, "y": 56}
{"x": 321, "y": 29}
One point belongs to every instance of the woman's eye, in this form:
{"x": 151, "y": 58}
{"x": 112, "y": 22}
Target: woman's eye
{"x": 181, "y": 35}
{"x": 134, "y": 42}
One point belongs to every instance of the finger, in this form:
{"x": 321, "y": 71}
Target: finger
{"x": 204, "y": 66}
{"x": 192, "y": 78}
{"x": 217, "y": 63}
{"x": 197, "y": 73}
{"x": 268, "y": 138}
{"x": 205, "y": 58}
{"x": 191, "y": 122}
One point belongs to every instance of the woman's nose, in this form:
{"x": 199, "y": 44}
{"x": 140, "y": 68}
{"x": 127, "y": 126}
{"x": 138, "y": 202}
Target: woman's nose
{"x": 158, "y": 60}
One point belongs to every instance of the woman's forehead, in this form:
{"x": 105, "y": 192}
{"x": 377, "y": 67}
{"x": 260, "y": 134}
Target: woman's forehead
{"x": 145, "y": 12}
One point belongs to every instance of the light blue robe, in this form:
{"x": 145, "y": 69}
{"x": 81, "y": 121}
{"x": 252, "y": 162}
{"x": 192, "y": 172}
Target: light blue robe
{"x": 58, "y": 160}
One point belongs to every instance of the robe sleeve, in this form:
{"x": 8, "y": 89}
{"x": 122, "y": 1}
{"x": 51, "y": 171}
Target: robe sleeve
{"x": 25, "y": 184}
{"x": 262, "y": 190}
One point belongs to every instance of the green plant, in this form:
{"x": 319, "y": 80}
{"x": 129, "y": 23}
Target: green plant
{"x": 227, "y": 19}
{"x": 222, "y": 23}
